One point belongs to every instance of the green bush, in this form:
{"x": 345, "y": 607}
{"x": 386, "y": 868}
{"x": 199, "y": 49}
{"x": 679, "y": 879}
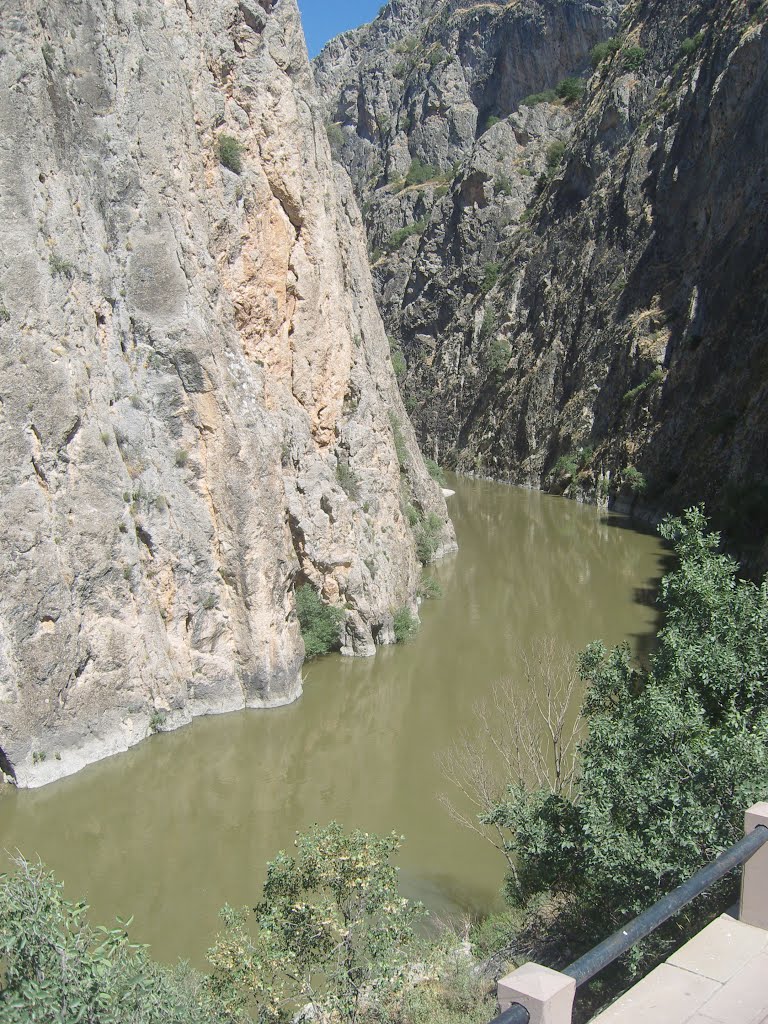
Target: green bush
{"x": 331, "y": 930}
{"x": 405, "y": 625}
{"x": 498, "y": 356}
{"x": 428, "y": 537}
{"x": 547, "y": 96}
{"x": 398, "y": 362}
{"x": 157, "y": 721}
{"x": 397, "y": 238}
{"x": 491, "y": 273}
{"x": 690, "y": 45}
{"x": 655, "y": 377}
{"x": 502, "y": 185}
{"x": 490, "y": 121}
{"x": 419, "y": 173}
{"x": 435, "y": 471}
{"x": 555, "y": 154}
{"x": 632, "y": 57}
{"x": 5, "y": 316}
{"x": 57, "y": 966}
{"x": 633, "y": 480}
{"x": 60, "y": 266}
{"x": 320, "y": 623}
{"x": 347, "y": 479}
{"x": 488, "y": 324}
{"x": 570, "y": 89}
{"x": 407, "y": 45}
{"x": 429, "y": 588}
{"x": 602, "y": 51}
{"x": 400, "y": 448}
{"x": 335, "y": 135}
{"x": 673, "y": 754}
{"x": 230, "y": 153}
{"x": 565, "y": 466}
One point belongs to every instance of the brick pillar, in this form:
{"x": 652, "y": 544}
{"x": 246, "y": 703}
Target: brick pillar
{"x": 547, "y": 995}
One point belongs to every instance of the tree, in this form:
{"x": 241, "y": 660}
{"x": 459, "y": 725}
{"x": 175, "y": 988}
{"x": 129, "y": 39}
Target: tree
{"x": 332, "y": 931}
{"x": 673, "y": 754}
{"x": 320, "y": 623}
{"x": 58, "y": 967}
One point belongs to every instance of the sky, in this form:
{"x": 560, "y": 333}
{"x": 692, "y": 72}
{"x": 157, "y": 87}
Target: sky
{"x": 324, "y": 19}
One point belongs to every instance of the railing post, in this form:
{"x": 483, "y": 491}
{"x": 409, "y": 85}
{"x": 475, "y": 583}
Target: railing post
{"x": 753, "y": 908}
{"x": 547, "y": 995}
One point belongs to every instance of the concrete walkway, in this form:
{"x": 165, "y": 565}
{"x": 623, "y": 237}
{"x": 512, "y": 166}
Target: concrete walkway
{"x": 719, "y": 977}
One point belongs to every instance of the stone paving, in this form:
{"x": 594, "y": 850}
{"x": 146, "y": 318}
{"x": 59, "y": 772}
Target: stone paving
{"x": 719, "y": 977}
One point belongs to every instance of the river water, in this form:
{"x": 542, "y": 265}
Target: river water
{"x": 181, "y": 824}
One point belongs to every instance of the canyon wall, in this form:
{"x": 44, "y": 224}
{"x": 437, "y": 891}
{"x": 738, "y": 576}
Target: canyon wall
{"x": 614, "y": 348}
{"x": 198, "y": 412}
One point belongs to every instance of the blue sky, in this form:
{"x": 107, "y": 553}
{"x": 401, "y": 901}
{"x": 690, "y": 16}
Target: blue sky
{"x": 324, "y": 19}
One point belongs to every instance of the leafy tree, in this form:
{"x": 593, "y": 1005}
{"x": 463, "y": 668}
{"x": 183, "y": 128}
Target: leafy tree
{"x": 405, "y": 625}
{"x": 673, "y": 754}
{"x": 333, "y": 931}
{"x": 570, "y": 89}
{"x": 58, "y": 967}
{"x": 320, "y": 623}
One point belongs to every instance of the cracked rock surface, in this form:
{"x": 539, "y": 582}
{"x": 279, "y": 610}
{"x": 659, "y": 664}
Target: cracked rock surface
{"x": 197, "y": 406}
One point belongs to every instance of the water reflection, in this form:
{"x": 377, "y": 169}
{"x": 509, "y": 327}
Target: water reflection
{"x": 176, "y": 827}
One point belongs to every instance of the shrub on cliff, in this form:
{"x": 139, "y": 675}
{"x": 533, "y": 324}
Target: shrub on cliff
{"x": 230, "y": 153}
{"x": 320, "y": 623}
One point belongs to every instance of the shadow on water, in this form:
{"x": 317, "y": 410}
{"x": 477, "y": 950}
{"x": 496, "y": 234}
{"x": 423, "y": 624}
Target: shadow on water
{"x": 186, "y": 821}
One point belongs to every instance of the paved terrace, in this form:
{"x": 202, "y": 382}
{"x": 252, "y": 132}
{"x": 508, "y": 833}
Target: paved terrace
{"x": 719, "y": 977}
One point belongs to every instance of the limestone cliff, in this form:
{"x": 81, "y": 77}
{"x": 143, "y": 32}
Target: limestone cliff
{"x": 615, "y": 347}
{"x": 444, "y": 115}
{"x": 197, "y": 408}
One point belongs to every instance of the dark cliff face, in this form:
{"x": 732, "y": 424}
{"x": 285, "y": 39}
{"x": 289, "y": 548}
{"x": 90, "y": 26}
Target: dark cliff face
{"x": 618, "y": 344}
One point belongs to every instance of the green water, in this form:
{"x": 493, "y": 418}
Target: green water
{"x": 185, "y": 822}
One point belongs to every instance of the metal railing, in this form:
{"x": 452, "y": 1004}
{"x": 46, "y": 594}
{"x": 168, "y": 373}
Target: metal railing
{"x": 591, "y": 963}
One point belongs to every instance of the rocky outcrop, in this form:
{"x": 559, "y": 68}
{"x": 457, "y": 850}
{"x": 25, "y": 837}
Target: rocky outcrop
{"x": 633, "y": 304}
{"x": 438, "y": 114}
{"x": 197, "y": 408}
{"x": 613, "y": 347}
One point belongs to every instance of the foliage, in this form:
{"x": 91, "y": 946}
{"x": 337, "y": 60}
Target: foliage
{"x": 157, "y": 721}
{"x": 435, "y": 471}
{"x": 405, "y": 625}
{"x": 335, "y": 134}
{"x": 602, "y": 51}
{"x": 428, "y": 531}
{"x": 59, "y": 967}
{"x": 398, "y": 361}
{"x": 570, "y": 89}
{"x": 655, "y": 377}
{"x": 491, "y": 273}
{"x": 400, "y": 449}
{"x": 429, "y": 588}
{"x": 333, "y": 931}
{"x": 320, "y": 623}
{"x": 457, "y": 994}
{"x": 502, "y": 185}
{"x": 488, "y": 324}
{"x": 60, "y": 266}
{"x": 406, "y": 45}
{"x": 555, "y": 153}
{"x": 634, "y": 480}
{"x": 230, "y": 153}
{"x": 691, "y": 44}
{"x": 498, "y": 356}
{"x": 632, "y": 58}
{"x": 547, "y": 96}
{"x": 347, "y": 479}
{"x": 397, "y": 238}
{"x": 673, "y": 754}
{"x": 490, "y": 121}
{"x": 565, "y": 466}
{"x": 5, "y": 316}
{"x": 419, "y": 173}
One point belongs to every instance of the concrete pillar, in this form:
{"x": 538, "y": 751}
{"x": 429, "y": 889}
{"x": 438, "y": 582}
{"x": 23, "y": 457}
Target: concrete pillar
{"x": 547, "y": 995}
{"x": 753, "y": 908}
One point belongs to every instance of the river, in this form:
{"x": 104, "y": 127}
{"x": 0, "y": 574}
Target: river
{"x": 181, "y": 824}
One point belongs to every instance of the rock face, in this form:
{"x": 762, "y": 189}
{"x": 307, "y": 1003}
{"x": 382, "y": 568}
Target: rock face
{"x": 425, "y": 112}
{"x": 618, "y": 347}
{"x": 197, "y": 407}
